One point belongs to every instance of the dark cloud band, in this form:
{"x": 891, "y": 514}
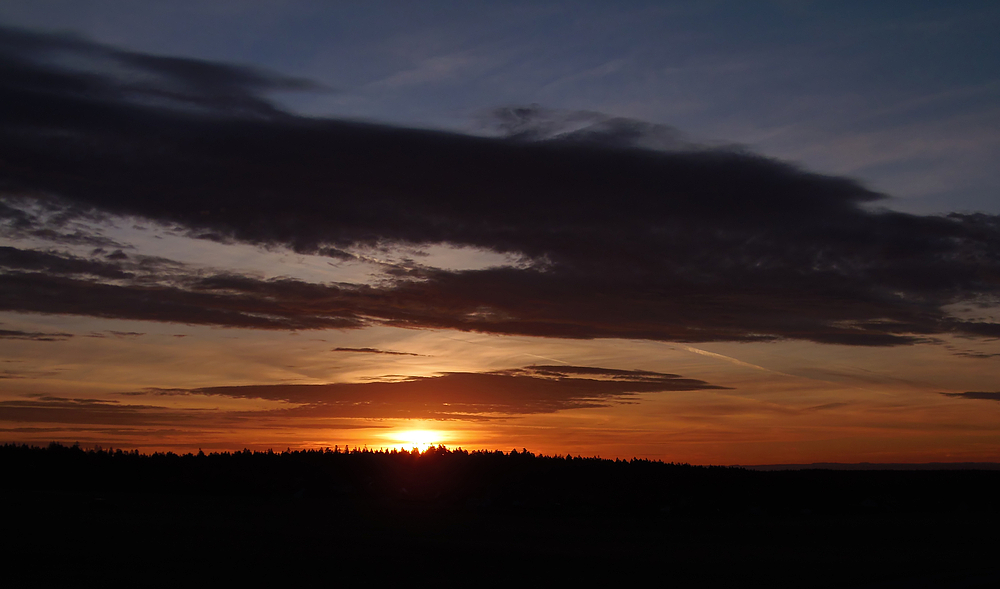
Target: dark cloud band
{"x": 466, "y": 395}
{"x": 454, "y": 395}
{"x": 621, "y": 240}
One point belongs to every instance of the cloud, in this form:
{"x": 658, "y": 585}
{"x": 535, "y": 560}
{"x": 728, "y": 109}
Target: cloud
{"x": 621, "y": 236}
{"x": 465, "y": 395}
{"x": 39, "y": 63}
{"x": 36, "y": 292}
{"x": 453, "y": 395}
{"x": 375, "y": 351}
{"x": 57, "y": 264}
{"x": 535, "y": 123}
{"x": 492, "y": 300}
{"x": 975, "y": 395}
{"x": 35, "y": 336}
{"x": 971, "y": 353}
{"x": 51, "y": 409}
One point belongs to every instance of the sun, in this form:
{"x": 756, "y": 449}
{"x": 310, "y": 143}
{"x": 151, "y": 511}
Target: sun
{"x": 420, "y": 439}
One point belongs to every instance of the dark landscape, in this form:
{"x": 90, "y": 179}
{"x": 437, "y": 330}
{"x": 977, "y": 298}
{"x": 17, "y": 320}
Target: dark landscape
{"x": 333, "y": 516}
{"x": 747, "y": 252}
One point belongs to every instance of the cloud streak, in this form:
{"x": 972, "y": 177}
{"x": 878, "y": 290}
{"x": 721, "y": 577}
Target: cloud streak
{"x": 465, "y": 395}
{"x": 34, "y": 336}
{"x": 375, "y": 351}
{"x": 620, "y": 239}
{"x": 453, "y": 395}
{"x": 984, "y": 396}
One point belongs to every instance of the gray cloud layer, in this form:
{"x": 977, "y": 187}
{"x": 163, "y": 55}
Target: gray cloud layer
{"x": 625, "y": 241}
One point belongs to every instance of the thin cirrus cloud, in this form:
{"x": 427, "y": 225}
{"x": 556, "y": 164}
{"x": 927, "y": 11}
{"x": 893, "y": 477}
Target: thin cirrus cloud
{"x": 620, "y": 239}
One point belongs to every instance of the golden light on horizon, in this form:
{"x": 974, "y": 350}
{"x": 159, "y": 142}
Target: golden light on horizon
{"x": 421, "y": 439}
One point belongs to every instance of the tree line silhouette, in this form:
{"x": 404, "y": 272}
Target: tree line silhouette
{"x": 498, "y": 480}
{"x": 481, "y": 518}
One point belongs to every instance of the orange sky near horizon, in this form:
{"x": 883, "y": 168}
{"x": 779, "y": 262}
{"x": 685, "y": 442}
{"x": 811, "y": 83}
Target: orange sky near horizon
{"x": 788, "y": 402}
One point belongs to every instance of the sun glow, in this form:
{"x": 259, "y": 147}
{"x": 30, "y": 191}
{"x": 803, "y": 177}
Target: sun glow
{"x": 420, "y": 439}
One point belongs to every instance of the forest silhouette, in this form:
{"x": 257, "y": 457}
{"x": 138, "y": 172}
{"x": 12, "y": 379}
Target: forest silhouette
{"x": 445, "y": 514}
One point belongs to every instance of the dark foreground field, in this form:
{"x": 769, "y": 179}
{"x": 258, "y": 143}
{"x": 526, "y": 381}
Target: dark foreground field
{"x": 485, "y": 519}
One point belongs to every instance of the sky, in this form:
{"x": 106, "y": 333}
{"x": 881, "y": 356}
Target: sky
{"x": 712, "y": 232}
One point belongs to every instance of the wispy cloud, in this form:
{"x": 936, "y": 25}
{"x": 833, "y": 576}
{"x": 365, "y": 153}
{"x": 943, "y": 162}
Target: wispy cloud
{"x": 985, "y": 396}
{"x": 433, "y": 69}
{"x": 35, "y": 336}
{"x": 375, "y": 351}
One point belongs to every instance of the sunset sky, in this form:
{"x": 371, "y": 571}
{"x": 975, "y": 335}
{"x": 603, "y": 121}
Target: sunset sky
{"x": 710, "y": 232}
